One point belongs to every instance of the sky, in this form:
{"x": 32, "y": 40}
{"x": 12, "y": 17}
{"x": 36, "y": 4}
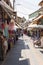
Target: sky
{"x": 26, "y": 7}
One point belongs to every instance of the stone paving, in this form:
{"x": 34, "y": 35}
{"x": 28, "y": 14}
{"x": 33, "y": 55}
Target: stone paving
{"x": 17, "y": 55}
{"x": 36, "y": 57}
{"x": 24, "y": 53}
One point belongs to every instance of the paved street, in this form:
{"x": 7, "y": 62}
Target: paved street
{"x": 24, "y": 53}
{"x": 23, "y": 18}
{"x": 35, "y": 54}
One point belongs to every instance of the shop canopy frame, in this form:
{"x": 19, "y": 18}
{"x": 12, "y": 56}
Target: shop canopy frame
{"x": 39, "y": 17}
{"x": 9, "y": 11}
{"x": 35, "y": 26}
{"x": 7, "y": 8}
{"x": 6, "y": 5}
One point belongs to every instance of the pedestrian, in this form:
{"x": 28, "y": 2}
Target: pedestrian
{"x": 1, "y": 45}
{"x": 5, "y": 46}
{"x": 22, "y": 33}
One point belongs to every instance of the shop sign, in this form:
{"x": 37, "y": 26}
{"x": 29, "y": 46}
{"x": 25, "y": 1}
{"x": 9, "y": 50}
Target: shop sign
{"x": 35, "y": 14}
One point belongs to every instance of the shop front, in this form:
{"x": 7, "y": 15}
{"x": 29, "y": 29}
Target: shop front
{"x": 6, "y": 13}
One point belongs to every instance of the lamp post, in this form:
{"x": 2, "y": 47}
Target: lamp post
{"x": 13, "y": 3}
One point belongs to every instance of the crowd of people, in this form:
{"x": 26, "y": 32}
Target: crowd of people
{"x": 3, "y": 46}
{"x": 6, "y": 44}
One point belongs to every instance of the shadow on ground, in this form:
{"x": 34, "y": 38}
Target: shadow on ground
{"x": 15, "y": 55}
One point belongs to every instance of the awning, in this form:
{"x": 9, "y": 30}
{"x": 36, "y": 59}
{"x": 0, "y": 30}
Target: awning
{"x": 18, "y": 25}
{"x": 6, "y": 11}
{"x": 29, "y": 29}
{"x": 40, "y": 26}
{"x": 7, "y": 8}
{"x": 35, "y": 26}
{"x": 41, "y": 16}
{"x": 34, "y": 14}
{"x": 3, "y": 3}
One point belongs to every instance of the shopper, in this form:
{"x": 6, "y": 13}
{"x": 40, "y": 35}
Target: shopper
{"x": 5, "y": 45}
{"x": 22, "y": 33}
{"x": 1, "y": 45}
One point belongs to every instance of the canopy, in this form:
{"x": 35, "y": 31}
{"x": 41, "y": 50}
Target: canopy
{"x": 41, "y": 16}
{"x": 40, "y": 26}
{"x": 7, "y": 8}
{"x": 29, "y": 28}
{"x": 32, "y": 25}
{"x": 3, "y": 3}
{"x": 35, "y": 26}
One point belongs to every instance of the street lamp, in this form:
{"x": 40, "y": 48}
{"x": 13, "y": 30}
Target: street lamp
{"x": 13, "y": 3}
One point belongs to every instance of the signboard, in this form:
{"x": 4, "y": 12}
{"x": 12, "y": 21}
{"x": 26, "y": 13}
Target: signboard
{"x": 35, "y": 14}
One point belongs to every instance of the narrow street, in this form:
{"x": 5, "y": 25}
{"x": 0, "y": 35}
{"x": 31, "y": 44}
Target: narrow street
{"x": 21, "y": 32}
{"x": 24, "y": 53}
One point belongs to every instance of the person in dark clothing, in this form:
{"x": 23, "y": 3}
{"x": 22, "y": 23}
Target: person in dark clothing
{"x": 1, "y": 45}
